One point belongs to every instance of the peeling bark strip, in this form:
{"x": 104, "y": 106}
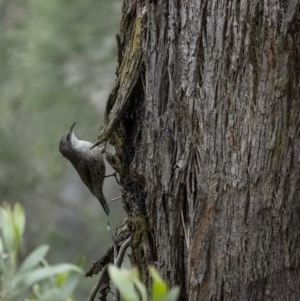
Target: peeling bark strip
{"x": 128, "y": 72}
{"x": 208, "y": 133}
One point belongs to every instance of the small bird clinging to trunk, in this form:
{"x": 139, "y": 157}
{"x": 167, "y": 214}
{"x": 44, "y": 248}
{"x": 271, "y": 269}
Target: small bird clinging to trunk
{"x": 88, "y": 162}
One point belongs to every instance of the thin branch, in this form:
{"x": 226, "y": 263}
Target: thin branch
{"x": 97, "y": 285}
{"x": 116, "y": 199}
{"x": 122, "y": 251}
{"x": 115, "y": 254}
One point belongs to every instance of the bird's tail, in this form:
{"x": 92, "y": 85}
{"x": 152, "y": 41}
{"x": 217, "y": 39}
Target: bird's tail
{"x": 103, "y": 203}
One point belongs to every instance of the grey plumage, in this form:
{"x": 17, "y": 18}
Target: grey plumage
{"x": 88, "y": 162}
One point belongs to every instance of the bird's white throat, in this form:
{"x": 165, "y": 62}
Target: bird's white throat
{"x": 80, "y": 145}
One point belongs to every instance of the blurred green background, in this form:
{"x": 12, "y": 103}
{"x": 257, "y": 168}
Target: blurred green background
{"x": 57, "y": 66}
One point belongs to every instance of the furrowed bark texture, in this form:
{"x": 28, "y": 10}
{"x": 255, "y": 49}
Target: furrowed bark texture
{"x": 207, "y": 137}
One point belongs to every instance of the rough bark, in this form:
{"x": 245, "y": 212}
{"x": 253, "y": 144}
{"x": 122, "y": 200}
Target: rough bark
{"x": 205, "y": 119}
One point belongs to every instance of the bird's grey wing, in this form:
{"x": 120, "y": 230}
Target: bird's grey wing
{"x": 92, "y": 177}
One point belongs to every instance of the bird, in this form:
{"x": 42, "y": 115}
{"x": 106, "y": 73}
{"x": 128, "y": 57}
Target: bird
{"x": 88, "y": 162}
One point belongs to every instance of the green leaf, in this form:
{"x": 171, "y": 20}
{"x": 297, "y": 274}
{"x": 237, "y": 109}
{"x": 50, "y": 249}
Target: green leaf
{"x": 154, "y": 274}
{"x": 23, "y": 281}
{"x": 1, "y": 247}
{"x": 36, "y": 289}
{"x": 159, "y": 287}
{"x": 69, "y": 285}
{"x": 10, "y": 233}
{"x": 34, "y": 258}
{"x": 51, "y": 295}
{"x": 173, "y": 294}
{"x": 19, "y": 218}
{"x": 61, "y": 278}
{"x": 7, "y": 228}
{"x": 141, "y": 289}
{"x": 1, "y": 219}
{"x": 123, "y": 280}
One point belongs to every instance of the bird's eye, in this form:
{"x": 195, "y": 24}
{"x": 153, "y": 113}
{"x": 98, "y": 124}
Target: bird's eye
{"x": 68, "y": 137}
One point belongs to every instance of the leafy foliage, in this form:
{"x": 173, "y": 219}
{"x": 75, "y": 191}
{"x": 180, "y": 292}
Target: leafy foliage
{"x": 132, "y": 289}
{"x": 48, "y": 283}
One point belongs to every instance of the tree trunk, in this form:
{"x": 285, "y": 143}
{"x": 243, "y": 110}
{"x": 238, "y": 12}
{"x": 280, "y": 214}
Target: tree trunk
{"x": 205, "y": 119}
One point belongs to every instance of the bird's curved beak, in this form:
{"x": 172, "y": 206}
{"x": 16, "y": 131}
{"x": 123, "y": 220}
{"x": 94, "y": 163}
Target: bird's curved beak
{"x": 72, "y": 127}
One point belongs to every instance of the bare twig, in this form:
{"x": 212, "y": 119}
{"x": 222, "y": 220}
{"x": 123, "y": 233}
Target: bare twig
{"x": 114, "y": 254}
{"x": 118, "y": 258}
{"x": 100, "y": 264}
{"x": 116, "y": 199}
{"x": 111, "y": 175}
{"x": 98, "y": 285}
{"x": 121, "y": 254}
